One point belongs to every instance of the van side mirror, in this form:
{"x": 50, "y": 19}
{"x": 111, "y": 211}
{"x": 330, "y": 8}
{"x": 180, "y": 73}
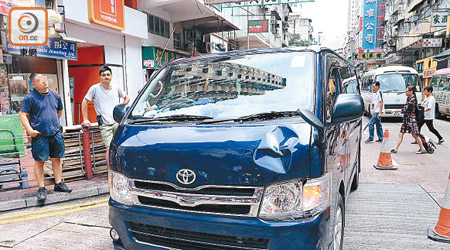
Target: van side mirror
{"x": 347, "y": 107}
{"x": 120, "y": 111}
{"x": 312, "y": 120}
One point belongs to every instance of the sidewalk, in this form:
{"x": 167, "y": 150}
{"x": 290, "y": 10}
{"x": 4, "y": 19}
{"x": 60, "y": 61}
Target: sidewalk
{"x": 390, "y": 217}
{"x": 23, "y": 198}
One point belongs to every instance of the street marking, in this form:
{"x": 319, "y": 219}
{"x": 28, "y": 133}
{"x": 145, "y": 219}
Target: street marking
{"x": 53, "y": 214}
{"x": 52, "y": 209}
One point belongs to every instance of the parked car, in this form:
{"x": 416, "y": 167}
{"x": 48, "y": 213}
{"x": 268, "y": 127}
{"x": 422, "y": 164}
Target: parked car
{"x": 267, "y": 168}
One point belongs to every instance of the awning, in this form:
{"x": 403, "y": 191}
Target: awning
{"x": 442, "y": 56}
{"x": 414, "y": 5}
{"x": 441, "y": 32}
{"x": 190, "y": 13}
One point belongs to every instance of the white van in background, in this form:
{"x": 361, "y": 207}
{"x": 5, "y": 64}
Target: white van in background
{"x": 393, "y": 82}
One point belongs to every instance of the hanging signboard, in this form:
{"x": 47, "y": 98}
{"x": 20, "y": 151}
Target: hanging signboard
{"x": 258, "y": 26}
{"x": 55, "y": 48}
{"x": 109, "y": 13}
{"x": 262, "y": 2}
{"x": 381, "y": 16}
{"x": 369, "y": 25}
{"x": 432, "y": 43}
{"x": 370, "y": 55}
{"x": 154, "y": 57}
{"x": 439, "y": 18}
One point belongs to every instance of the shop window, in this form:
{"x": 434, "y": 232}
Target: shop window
{"x": 162, "y": 28}
{"x": 158, "y": 26}
{"x": 177, "y": 40}
{"x": 167, "y": 29}
{"x": 151, "y": 21}
{"x": 157, "y": 29}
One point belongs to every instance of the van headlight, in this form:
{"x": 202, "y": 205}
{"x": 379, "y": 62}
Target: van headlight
{"x": 119, "y": 188}
{"x": 293, "y": 200}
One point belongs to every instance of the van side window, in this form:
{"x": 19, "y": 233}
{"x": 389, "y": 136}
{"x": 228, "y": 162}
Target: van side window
{"x": 445, "y": 83}
{"x": 333, "y": 83}
{"x": 367, "y": 82}
{"x": 350, "y": 84}
{"x": 435, "y": 81}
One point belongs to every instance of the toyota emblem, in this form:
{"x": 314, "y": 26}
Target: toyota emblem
{"x": 186, "y": 176}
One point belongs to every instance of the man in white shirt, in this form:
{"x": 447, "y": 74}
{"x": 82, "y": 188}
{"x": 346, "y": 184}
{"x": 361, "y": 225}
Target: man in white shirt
{"x": 106, "y": 97}
{"x": 429, "y": 104}
{"x": 378, "y": 103}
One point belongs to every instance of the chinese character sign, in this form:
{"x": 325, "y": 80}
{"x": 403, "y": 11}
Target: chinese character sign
{"x": 369, "y": 38}
{"x": 381, "y": 16}
{"x": 439, "y": 19}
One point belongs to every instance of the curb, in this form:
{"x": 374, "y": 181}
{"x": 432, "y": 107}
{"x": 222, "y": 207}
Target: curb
{"x": 54, "y": 197}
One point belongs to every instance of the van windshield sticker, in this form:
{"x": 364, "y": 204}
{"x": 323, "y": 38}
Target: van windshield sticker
{"x": 298, "y": 62}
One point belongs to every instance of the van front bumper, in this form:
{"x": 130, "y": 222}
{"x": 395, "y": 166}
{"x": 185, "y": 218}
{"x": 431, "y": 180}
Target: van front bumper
{"x": 150, "y": 228}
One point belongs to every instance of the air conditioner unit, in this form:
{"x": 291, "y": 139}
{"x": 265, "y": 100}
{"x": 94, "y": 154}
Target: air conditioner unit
{"x": 391, "y": 42}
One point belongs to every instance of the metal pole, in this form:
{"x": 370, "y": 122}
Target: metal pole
{"x": 248, "y": 36}
{"x": 87, "y": 153}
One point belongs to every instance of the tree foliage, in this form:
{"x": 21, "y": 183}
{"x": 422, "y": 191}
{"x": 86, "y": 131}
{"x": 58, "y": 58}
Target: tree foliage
{"x": 297, "y": 41}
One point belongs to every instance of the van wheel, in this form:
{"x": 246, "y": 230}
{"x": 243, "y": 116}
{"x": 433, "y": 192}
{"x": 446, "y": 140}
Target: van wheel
{"x": 355, "y": 182}
{"x": 338, "y": 232}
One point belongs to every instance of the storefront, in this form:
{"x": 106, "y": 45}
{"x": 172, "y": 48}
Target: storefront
{"x": 153, "y": 57}
{"x": 18, "y": 62}
{"x": 116, "y": 45}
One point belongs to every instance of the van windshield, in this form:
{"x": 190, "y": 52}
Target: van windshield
{"x": 441, "y": 82}
{"x": 227, "y": 87}
{"x": 397, "y": 82}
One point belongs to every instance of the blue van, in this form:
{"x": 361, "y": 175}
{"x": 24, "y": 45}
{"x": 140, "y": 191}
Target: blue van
{"x": 253, "y": 149}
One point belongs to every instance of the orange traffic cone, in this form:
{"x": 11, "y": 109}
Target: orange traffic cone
{"x": 385, "y": 159}
{"x": 441, "y": 232}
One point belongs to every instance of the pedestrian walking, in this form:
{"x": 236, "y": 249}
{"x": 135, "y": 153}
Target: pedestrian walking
{"x": 39, "y": 113}
{"x": 428, "y": 104}
{"x": 378, "y": 103}
{"x": 106, "y": 96}
{"x": 410, "y": 124}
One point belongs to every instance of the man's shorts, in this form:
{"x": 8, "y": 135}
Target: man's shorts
{"x": 43, "y": 147}
{"x": 107, "y": 131}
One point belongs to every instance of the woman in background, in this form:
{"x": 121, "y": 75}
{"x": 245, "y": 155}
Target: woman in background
{"x": 410, "y": 124}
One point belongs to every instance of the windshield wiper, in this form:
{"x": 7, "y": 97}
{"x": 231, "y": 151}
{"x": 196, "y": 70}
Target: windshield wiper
{"x": 169, "y": 118}
{"x": 259, "y": 116}
{"x": 182, "y": 118}
{"x": 267, "y": 115}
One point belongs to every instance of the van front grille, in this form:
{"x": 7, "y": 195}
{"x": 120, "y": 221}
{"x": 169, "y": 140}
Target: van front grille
{"x": 188, "y": 240}
{"x": 224, "y": 209}
{"x": 393, "y": 106}
{"x": 229, "y": 191}
{"x": 211, "y": 199}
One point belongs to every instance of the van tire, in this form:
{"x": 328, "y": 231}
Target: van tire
{"x": 338, "y": 224}
{"x": 355, "y": 182}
